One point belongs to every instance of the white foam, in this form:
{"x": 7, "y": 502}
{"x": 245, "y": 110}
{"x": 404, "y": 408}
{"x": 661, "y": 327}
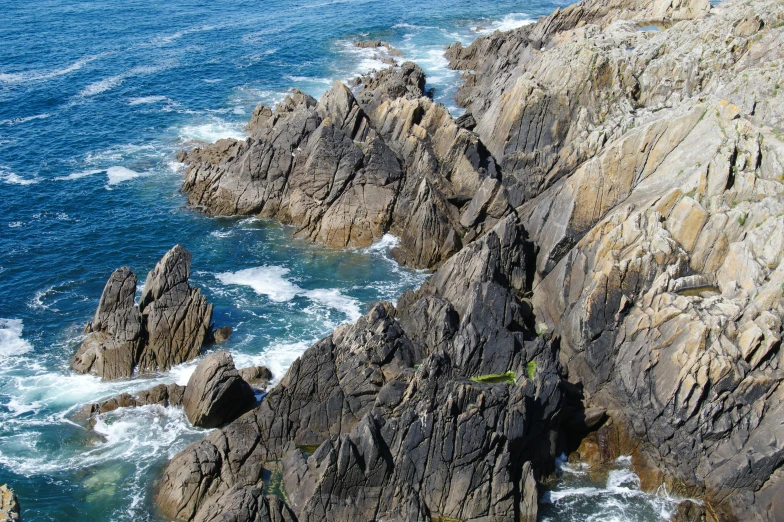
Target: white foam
{"x": 116, "y": 175}
{"x": 102, "y": 86}
{"x": 212, "y": 131}
{"x": 14, "y": 179}
{"x": 11, "y": 342}
{"x": 17, "y": 121}
{"x": 147, "y": 99}
{"x": 277, "y": 357}
{"x": 507, "y": 23}
{"x": 264, "y": 280}
{"x": 34, "y": 76}
{"x": 336, "y": 300}
{"x": 15, "y": 224}
{"x": 113, "y": 82}
{"x": 383, "y": 245}
{"x": 79, "y": 175}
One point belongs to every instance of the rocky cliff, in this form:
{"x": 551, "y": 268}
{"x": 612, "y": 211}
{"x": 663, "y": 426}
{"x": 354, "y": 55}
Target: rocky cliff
{"x": 606, "y": 224}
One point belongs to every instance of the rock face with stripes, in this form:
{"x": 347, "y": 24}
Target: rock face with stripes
{"x": 353, "y": 166}
{"x": 168, "y": 327}
{"x": 606, "y": 242}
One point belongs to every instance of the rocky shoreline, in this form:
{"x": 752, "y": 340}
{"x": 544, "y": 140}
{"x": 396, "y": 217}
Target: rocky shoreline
{"x": 605, "y": 227}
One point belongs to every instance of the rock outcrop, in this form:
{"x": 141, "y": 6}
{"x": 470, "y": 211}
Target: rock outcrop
{"x": 350, "y": 168}
{"x": 216, "y": 394}
{"x": 606, "y": 225}
{"x": 163, "y": 395}
{"x": 167, "y": 328}
{"x": 655, "y": 200}
{"x": 382, "y": 420}
{"x": 9, "y": 505}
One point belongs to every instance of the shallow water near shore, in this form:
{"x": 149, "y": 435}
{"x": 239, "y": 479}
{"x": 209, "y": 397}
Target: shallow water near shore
{"x": 95, "y": 100}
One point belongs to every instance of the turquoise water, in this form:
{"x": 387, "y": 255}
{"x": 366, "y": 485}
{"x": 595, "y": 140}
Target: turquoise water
{"x": 95, "y": 100}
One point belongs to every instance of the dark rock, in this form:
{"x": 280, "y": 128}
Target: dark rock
{"x": 389, "y": 147}
{"x": 112, "y": 347}
{"x": 222, "y": 334}
{"x": 216, "y": 394}
{"x": 395, "y": 442}
{"x": 466, "y": 121}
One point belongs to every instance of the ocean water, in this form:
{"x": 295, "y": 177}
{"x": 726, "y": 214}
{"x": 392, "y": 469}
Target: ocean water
{"x": 95, "y": 100}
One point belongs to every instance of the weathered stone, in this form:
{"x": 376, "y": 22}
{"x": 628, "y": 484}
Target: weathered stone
{"x": 222, "y": 334}
{"x": 168, "y": 327}
{"x": 215, "y": 393}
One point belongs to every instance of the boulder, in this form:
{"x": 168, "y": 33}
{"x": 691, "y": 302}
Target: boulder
{"x": 257, "y": 376}
{"x": 222, "y": 334}
{"x": 215, "y": 393}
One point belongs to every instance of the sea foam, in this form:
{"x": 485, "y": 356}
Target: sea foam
{"x": 117, "y": 175}
{"x": 11, "y": 342}
{"x": 264, "y": 280}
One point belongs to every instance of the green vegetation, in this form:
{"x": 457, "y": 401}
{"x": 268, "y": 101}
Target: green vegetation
{"x": 495, "y": 378}
{"x": 273, "y": 483}
{"x": 530, "y": 369}
{"x": 742, "y": 219}
{"x": 308, "y": 449}
{"x": 444, "y": 519}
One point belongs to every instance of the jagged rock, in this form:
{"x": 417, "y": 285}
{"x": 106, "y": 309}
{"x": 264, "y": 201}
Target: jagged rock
{"x": 115, "y": 338}
{"x": 215, "y": 393}
{"x": 395, "y": 442}
{"x": 349, "y": 169}
{"x": 643, "y": 262}
{"x": 247, "y": 505}
{"x": 177, "y": 315}
{"x": 168, "y": 327}
{"x": 9, "y": 505}
{"x": 222, "y": 334}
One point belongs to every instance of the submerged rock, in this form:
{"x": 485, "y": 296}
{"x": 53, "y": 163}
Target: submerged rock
{"x": 168, "y": 327}
{"x": 215, "y": 393}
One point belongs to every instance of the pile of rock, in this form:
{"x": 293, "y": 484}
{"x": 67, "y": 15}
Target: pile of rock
{"x": 216, "y": 393}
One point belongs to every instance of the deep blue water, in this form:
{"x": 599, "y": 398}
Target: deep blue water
{"x": 95, "y": 100}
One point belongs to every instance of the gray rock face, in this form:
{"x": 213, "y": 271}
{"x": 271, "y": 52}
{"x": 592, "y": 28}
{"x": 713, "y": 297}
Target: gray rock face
{"x": 116, "y": 332}
{"x": 9, "y": 505}
{"x": 216, "y": 394}
{"x": 396, "y": 438}
{"x": 168, "y": 327}
{"x": 622, "y": 259}
{"x": 348, "y": 169}
{"x": 177, "y": 315}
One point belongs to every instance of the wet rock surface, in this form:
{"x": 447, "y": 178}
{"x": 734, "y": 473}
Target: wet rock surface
{"x": 168, "y": 327}
{"x": 606, "y": 230}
